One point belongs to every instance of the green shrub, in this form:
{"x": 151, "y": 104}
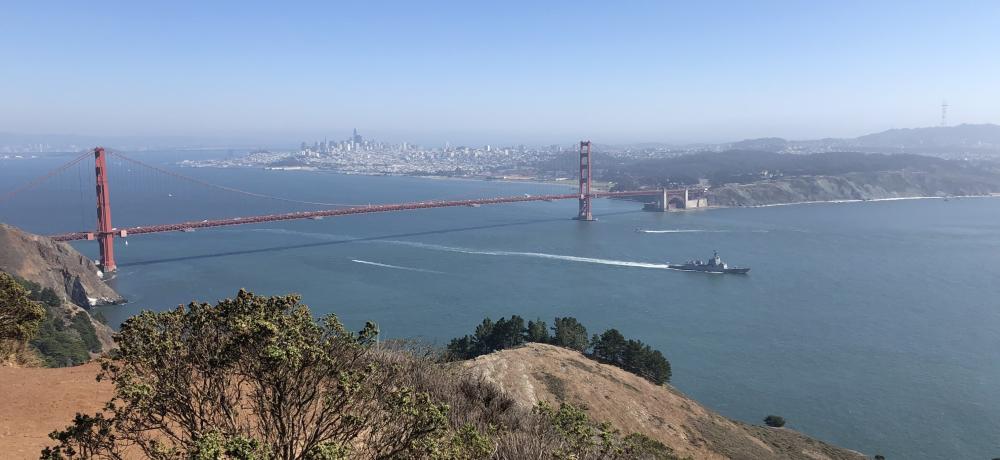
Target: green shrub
{"x": 60, "y": 343}
{"x": 88, "y": 335}
{"x": 301, "y": 389}
{"x": 20, "y": 316}
{"x": 775, "y": 421}
{"x": 59, "y": 346}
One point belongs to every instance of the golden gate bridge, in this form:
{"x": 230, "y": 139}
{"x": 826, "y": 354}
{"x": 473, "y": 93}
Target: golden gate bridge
{"x": 105, "y": 232}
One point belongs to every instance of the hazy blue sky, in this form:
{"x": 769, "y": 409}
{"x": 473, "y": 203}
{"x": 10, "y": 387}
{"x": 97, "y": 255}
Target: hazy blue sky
{"x": 500, "y": 71}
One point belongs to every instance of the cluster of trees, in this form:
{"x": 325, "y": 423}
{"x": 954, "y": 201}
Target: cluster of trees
{"x": 259, "y": 378}
{"x": 502, "y": 334}
{"x": 632, "y": 355}
{"x": 610, "y": 347}
{"x": 57, "y": 339}
{"x": 19, "y": 318}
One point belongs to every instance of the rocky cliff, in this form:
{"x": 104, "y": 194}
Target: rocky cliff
{"x": 538, "y": 372}
{"x": 54, "y": 265}
{"x": 852, "y": 186}
{"x": 75, "y": 278}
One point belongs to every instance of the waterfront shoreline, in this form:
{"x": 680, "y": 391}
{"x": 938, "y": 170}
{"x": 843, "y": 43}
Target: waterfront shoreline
{"x": 902, "y": 198}
{"x": 600, "y": 186}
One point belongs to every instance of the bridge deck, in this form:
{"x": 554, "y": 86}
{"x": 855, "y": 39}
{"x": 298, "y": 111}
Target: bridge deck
{"x": 346, "y": 211}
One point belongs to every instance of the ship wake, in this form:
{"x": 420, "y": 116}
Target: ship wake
{"x": 395, "y": 267}
{"x": 537, "y": 255}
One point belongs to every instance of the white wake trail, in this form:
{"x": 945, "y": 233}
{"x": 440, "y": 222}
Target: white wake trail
{"x": 395, "y": 267}
{"x": 683, "y": 231}
{"x": 539, "y": 255}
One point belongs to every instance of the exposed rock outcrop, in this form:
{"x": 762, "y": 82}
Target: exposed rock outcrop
{"x": 538, "y": 372}
{"x": 54, "y": 265}
{"x": 75, "y": 278}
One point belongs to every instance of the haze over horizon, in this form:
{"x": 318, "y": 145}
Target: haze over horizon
{"x": 511, "y": 72}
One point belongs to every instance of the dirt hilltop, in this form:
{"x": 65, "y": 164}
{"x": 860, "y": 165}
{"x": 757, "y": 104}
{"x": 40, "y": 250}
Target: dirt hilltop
{"x": 538, "y": 372}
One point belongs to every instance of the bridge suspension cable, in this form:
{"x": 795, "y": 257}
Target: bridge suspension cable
{"x": 225, "y": 188}
{"x": 44, "y": 177}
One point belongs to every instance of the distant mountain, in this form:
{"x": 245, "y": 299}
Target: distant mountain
{"x": 961, "y": 136}
{"x": 944, "y": 141}
{"x": 764, "y": 144}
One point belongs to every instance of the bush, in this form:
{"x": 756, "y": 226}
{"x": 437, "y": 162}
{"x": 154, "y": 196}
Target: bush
{"x": 60, "y": 344}
{"x": 20, "y": 316}
{"x": 259, "y": 378}
{"x": 775, "y": 421}
{"x": 585, "y": 438}
{"x": 88, "y": 334}
{"x": 253, "y": 377}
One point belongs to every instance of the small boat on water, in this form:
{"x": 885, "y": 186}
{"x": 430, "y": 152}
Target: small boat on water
{"x": 714, "y": 265}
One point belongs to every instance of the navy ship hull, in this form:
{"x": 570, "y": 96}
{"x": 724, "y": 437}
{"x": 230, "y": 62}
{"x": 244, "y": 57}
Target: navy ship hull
{"x": 709, "y": 269}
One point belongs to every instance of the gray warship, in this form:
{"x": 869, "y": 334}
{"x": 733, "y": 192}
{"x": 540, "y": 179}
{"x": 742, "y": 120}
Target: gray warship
{"x": 714, "y": 265}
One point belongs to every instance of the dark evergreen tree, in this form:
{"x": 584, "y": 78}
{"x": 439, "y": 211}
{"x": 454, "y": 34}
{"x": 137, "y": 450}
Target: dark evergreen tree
{"x": 461, "y": 348}
{"x": 482, "y": 340}
{"x": 569, "y": 333}
{"x": 537, "y": 331}
{"x": 609, "y": 346}
{"x": 508, "y": 333}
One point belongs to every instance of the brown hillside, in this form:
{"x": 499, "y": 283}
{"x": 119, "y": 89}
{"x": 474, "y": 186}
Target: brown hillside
{"x": 538, "y": 372}
{"x": 36, "y": 401}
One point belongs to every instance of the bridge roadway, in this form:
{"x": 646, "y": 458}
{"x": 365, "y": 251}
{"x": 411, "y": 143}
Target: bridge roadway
{"x": 346, "y": 211}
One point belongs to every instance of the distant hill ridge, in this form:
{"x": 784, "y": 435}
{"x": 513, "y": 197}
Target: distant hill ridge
{"x": 943, "y": 140}
{"x": 965, "y": 135}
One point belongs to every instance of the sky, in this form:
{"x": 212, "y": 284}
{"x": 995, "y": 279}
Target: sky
{"x": 496, "y": 72}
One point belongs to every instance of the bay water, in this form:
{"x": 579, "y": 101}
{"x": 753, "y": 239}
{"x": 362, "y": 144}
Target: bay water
{"x": 874, "y": 326}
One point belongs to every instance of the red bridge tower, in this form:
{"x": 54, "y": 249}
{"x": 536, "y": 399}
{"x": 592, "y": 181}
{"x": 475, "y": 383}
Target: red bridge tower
{"x": 105, "y": 234}
{"x": 585, "y": 176}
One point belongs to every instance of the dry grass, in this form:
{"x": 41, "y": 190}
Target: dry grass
{"x": 36, "y": 401}
{"x": 538, "y": 372}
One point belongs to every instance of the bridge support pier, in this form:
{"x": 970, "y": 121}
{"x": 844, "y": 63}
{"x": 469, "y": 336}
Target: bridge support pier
{"x": 585, "y": 177}
{"x": 668, "y": 200}
{"x": 105, "y": 235}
